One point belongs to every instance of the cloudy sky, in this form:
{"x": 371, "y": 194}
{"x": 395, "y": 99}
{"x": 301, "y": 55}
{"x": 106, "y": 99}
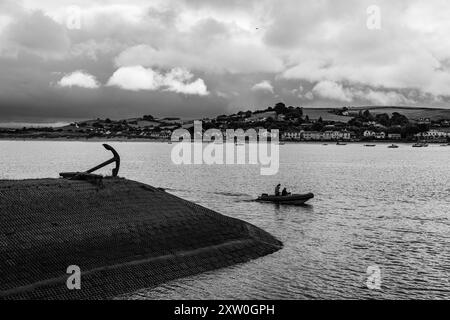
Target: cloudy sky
{"x": 77, "y": 59}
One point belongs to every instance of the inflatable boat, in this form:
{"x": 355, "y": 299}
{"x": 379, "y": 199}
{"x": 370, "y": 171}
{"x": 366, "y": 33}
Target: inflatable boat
{"x": 292, "y": 199}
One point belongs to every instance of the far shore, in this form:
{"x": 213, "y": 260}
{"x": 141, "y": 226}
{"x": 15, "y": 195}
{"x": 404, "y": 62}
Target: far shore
{"x": 123, "y": 139}
{"x": 116, "y": 139}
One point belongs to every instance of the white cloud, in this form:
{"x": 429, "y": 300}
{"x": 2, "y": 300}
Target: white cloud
{"x": 308, "y": 95}
{"x": 79, "y": 79}
{"x": 4, "y": 22}
{"x": 385, "y": 98}
{"x": 336, "y": 91}
{"x": 138, "y": 78}
{"x": 95, "y": 50}
{"x": 332, "y": 90}
{"x": 217, "y": 55}
{"x": 135, "y": 78}
{"x": 331, "y": 42}
{"x": 178, "y": 80}
{"x": 264, "y": 85}
{"x": 221, "y": 94}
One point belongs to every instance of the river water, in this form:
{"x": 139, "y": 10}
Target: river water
{"x": 373, "y": 207}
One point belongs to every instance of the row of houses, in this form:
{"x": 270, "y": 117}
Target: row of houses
{"x": 434, "y": 134}
{"x": 318, "y": 135}
{"x": 336, "y": 135}
{"x": 381, "y": 135}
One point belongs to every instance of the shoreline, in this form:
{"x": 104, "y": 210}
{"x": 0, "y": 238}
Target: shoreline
{"x": 168, "y": 141}
{"x": 84, "y": 140}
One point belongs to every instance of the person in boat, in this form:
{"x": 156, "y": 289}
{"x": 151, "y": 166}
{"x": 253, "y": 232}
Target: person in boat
{"x": 277, "y": 189}
{"x": 284, "y": 192}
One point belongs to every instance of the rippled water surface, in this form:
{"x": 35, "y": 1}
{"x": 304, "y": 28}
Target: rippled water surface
{"x": 373, "y": 206}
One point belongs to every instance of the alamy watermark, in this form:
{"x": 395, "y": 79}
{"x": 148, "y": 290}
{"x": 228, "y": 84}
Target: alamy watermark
{"x": 373, "y": 21}
{"x": 262, "y": 147}
{"x": 73, "y": 20}
{"x": 74, "y": 17}
{"x": 373, "y": 277}
{"x": 73, "y": 282}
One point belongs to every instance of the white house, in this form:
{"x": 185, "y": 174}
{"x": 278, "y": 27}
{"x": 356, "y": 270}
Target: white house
{"x": 394, "y": 136}
{"x": 433, "y": 134}
{"x": 380, "y": 135}
{"x": 293, "y": 135}
{"x": 312, "y": 135}
{"x": 369, "y": 133}
{"x": 345, "y": 135}
{"x": 327, "y": 135}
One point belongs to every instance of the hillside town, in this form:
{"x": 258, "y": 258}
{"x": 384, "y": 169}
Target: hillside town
{"x": 294, "y": 124}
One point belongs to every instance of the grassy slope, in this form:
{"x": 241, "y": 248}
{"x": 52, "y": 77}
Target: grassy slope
{"x": 316, "y": 113}
{"x": 412, "y": 113}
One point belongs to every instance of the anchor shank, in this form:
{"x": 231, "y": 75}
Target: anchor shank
{"x": 104, "y": 164}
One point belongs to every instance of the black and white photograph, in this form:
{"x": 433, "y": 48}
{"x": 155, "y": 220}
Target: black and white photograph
{"x": 202, "y": 151}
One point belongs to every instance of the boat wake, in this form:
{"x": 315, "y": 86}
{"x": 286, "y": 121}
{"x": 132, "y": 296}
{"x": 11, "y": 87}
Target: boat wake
{"x": 232, "y": 194}
{"x": 220, "y": 193}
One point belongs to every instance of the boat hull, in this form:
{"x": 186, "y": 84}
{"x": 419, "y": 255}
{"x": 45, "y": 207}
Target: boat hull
{"x": 293, "y": 199}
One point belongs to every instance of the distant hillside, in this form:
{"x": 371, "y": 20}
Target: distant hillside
{"x": 413, "y": 113}
{"x": 325, "y": 113}
{"x": 261, "y": 115}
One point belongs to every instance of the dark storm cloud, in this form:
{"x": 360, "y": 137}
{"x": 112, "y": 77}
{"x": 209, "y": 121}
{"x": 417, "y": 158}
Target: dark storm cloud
{"x": 52, "y": 104}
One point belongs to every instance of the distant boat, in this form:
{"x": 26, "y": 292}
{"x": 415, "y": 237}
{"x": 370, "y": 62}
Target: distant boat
{"x": 369, "y": 145}
{"x": 325, "y": 144}
{"x": 292, "y": 199}
{"x": 340, "y": 144}
{"x": 420, "y": 145}
{"x": 281, "y": 143}
{"x": 393, "y": 146}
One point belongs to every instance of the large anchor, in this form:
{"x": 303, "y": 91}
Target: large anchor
{"x": 88, "y": 174}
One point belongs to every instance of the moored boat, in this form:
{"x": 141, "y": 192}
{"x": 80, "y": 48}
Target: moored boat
{"x": 369, "y": 145}
{"x": 420, "y": 145}
{"x": 393, "y": 146}
{"x": 291, "y": 199}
